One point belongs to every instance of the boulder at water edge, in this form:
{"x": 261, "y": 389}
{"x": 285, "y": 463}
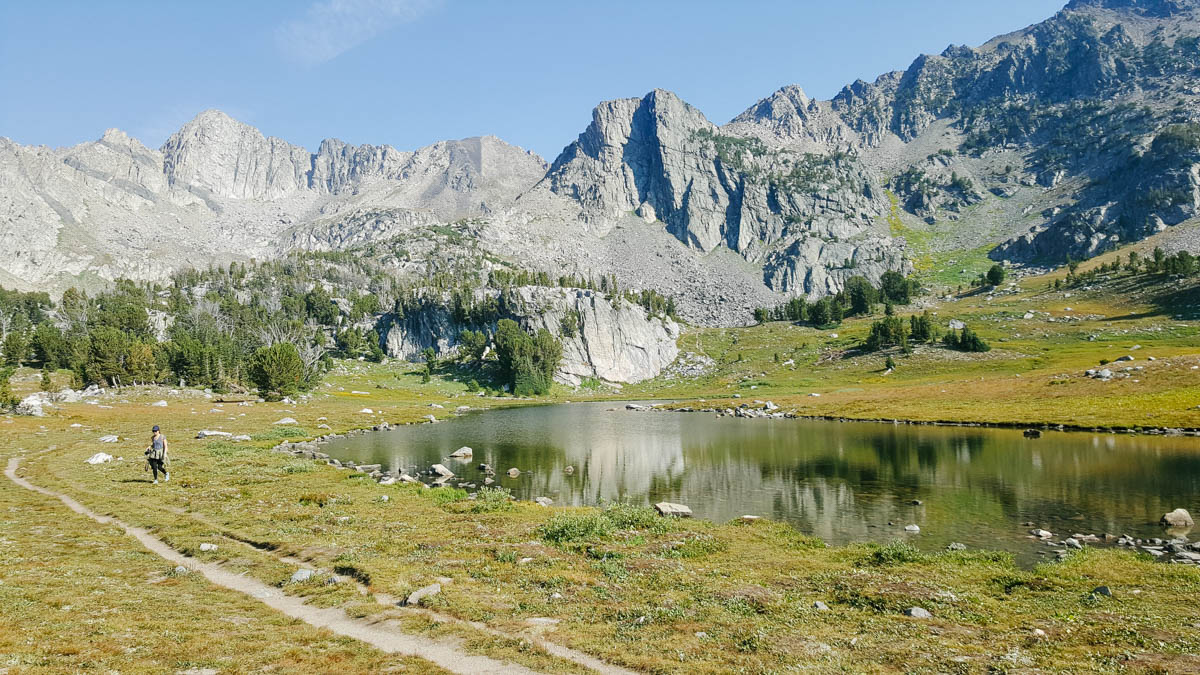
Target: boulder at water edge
{"x": 670, "y": 509}
{"x": 1177, "y": 518}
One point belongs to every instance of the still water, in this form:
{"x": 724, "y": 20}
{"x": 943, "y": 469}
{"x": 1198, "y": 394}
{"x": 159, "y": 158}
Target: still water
{"x": 843, "y": 482}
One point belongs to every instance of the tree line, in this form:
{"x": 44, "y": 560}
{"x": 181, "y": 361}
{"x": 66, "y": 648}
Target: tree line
{"x": 858, "y": 297}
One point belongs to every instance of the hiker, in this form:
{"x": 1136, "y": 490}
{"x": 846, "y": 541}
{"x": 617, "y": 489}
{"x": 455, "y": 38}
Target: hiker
{"x": 156, "y": 455}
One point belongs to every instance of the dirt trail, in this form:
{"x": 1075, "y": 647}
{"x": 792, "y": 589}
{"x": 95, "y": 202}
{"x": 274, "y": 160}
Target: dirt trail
{"x": 552, "y": 648}
{"x": 447, "y": 656}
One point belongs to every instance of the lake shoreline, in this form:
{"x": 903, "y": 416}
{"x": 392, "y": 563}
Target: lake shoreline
{"x": 986, "y": 424}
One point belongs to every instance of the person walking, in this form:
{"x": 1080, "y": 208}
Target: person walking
{"x": 156, "y": 455}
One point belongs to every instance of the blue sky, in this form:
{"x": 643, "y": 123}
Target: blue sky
{"x": 411, "y": 72}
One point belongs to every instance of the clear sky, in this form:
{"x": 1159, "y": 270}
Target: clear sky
{"x": 411, "y": 72}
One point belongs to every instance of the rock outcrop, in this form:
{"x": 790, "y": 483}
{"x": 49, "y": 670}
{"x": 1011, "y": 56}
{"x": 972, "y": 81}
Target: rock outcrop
{"x": 662, "y": 159}
{"x": 610, "y": 340}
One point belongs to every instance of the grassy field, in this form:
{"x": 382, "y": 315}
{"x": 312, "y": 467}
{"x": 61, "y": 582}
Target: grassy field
{"x": 620, "y": 583}
{"x": 1034, "y": 375}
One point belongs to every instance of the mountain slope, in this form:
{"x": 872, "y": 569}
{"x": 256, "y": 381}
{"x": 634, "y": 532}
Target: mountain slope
{"x": 1061, "y": 140}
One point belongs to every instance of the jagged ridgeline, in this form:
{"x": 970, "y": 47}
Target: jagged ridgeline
{"x": 217, "y": 327}
{"x": 1061, "y": 140}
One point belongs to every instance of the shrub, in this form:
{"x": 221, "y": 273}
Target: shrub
{"x": 446, "y": 495}
{"x": 490, "y": 499}
{"x": 629, "y": 517}
{"x": 277, "y": 370}
{"x": 894, "y": 553}
{"x": 564, "y": 527}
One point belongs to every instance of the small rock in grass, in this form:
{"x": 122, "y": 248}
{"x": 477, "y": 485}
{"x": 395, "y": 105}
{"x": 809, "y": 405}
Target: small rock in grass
{"x": 180, "y": 569}
{"x": 159, "y": 404}
{"x": 544, "y": 501}
{"x": 285, "y": 420}
{"x": 420, "y": 594}
{"x": 820, "y": 606}
{"x": 208, "y": 547}
{"x": 918, "y": 613}
{"x": 1072, "y": 542}
{"x": 956, "y": 546}
{"x": 109, "y": 439}
{"x": 213, "y": 434}
{"x": 301, "y": 575}
{"x": 1102, "y": 590}
{"x": 99, "y": 458}
{"x": 367, "y": 411}
{"x": 750, "y": 519}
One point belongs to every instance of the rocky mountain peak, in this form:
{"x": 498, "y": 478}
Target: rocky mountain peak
{"x": 216, "y": 155}
{"x": 1150, "y": 8}
{"x": 785, "y": 104}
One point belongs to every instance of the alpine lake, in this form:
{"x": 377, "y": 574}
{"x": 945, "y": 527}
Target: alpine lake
{"x": 842, "y": 481}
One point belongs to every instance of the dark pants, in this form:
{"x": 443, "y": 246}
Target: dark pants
{"x": 157, "y": 466}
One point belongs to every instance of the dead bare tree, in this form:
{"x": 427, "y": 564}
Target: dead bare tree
{"x": 311, "y": 352}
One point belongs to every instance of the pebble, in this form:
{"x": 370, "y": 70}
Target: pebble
{"x": 820, "y": 606}
{"x": 918, "y": 613}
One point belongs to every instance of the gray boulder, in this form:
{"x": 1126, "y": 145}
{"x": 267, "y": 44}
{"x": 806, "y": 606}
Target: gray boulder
{"x": 1178, "y": 518}
{"x": 671, "y": 509}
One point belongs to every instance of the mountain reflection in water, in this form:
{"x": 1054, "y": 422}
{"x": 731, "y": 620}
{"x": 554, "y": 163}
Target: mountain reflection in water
{"x": 843, "y": 482}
